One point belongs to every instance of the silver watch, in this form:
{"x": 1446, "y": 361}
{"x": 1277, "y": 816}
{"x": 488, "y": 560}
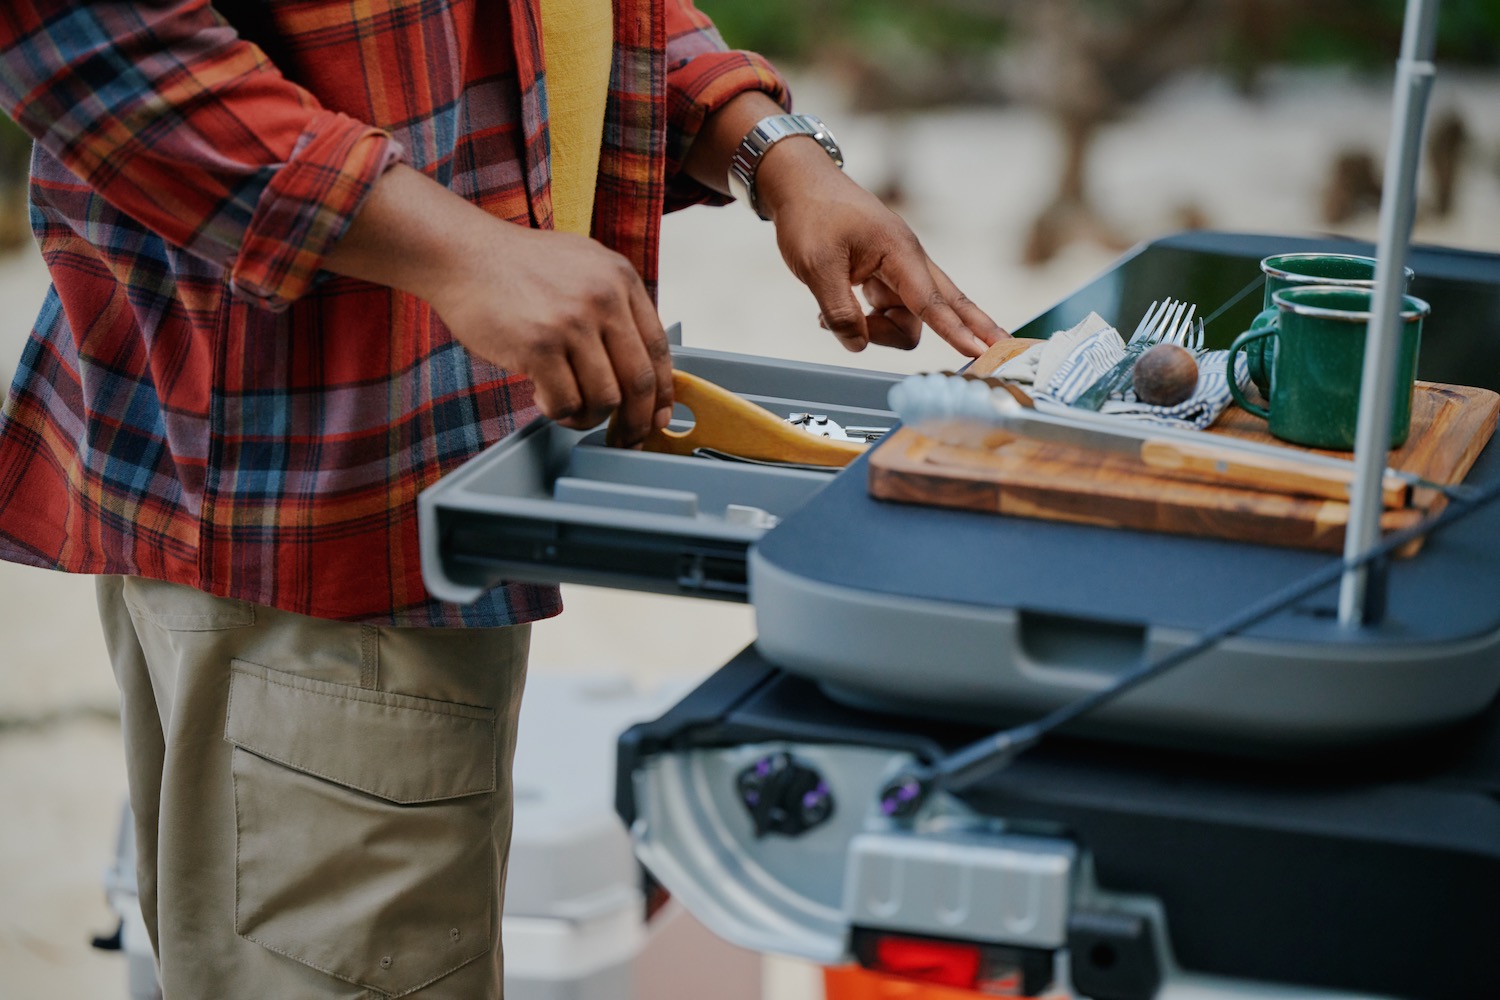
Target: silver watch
{"x": 766, "y": 133}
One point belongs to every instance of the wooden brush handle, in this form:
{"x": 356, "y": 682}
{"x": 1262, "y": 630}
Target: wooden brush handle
{"x": 1000, "y": 352}
{"x": 725, "y": 422}
{"x": 1264, "y": 473}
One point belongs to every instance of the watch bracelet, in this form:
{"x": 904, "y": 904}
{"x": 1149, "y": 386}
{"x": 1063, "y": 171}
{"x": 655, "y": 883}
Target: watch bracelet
{"x": 745, "y": 162}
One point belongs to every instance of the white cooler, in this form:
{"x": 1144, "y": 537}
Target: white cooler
{"x": 575, "y": 903}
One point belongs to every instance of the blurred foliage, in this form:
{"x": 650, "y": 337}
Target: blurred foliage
{"x": 905, "y": 53}
{"x": 1361, "y": 33}
{"x": 1367, "y": 33}
{"x": 798, "y": 30}
{"x": 15, "y": 149}
{"x": 953, "y": 27}
{"x": 15, "y": 157}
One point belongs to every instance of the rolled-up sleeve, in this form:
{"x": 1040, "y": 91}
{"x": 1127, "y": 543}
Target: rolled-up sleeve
{"x": 703, "y": 75}
{"x": 164, "y": 111}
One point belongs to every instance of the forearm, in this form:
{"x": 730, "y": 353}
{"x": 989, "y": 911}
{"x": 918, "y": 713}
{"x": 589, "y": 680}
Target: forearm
{"x": 415, "y": 235}
{"x": 196, "y": 137}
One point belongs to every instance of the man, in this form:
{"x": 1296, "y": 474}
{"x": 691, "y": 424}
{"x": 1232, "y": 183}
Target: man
{"x": 306, "y": 258}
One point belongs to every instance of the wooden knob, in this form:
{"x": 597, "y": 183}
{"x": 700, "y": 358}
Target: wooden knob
{"x": 1165, "y": 375}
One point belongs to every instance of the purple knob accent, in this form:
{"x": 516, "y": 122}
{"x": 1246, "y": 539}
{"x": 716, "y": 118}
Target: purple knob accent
{"x": 897, "y": 800}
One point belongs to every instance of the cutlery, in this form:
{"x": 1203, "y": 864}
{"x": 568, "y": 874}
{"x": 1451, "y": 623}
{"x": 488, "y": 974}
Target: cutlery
{"x": 1171, "y": 324}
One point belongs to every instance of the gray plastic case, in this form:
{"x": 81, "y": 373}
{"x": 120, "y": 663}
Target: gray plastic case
{"x": 955, "y": 614}
{"x": 960, "y": 615}
{"x": 1004, "y": 665}
{"x": 552, "y": 505}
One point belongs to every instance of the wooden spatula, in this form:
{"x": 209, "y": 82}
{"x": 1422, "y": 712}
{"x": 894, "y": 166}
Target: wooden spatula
{"x": 726, "y": 423}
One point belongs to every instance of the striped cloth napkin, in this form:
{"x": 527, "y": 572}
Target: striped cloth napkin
{"x": 1063, "y": 366}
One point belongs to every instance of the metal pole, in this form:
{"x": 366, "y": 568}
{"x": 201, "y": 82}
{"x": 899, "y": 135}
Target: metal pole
{"x": 1372, "y": 441}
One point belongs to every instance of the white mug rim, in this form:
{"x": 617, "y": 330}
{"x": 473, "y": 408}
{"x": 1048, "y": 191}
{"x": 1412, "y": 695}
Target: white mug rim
{"x": 1275, "y": 271}
{"x": 1412, "y": 308}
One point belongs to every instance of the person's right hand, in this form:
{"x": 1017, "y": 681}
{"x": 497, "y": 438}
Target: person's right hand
{"x": 560, "y": 308}
{"x": 571, "y": 314}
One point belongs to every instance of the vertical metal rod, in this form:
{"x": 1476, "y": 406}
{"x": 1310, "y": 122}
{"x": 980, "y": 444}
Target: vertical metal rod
{"x": 1372, "y": 441}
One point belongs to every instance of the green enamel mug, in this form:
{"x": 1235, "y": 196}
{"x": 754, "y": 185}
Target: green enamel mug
{"x": 1294, "y": 270}
{"x": 1318, "y": 335}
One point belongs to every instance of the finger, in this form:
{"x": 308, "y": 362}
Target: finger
{"x": 595, "y": 376}
{"x": 840, "y": 314}
{"x": 909, "y": 274}
{"x": 636, "y": 378}
{"x": 976, "y": 319}
{"x": 658, "y": 351}
{"x": 879, "y": 295}
{"x": 896, "y": 328}
{"x": 890, "y": 323}
{"x": 556, "y": 390}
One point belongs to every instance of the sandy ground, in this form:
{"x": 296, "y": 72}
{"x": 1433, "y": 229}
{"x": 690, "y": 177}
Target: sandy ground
{"x": 974, "y": 179}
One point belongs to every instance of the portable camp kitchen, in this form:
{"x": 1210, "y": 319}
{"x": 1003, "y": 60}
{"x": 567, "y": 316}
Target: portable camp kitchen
{"x": 1304, "y": 807}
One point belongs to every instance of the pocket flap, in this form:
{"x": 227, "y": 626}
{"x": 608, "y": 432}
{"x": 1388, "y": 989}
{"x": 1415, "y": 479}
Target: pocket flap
{"x": 401, "y": 748}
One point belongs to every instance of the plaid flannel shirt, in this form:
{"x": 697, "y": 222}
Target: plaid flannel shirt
{"x": 198, "y": 402}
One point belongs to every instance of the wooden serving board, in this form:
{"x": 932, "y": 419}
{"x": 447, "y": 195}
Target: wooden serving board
{"x": 1450, "y": 426}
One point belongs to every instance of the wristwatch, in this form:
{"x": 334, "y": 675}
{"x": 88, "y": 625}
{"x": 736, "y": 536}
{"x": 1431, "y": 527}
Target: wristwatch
{"x": 766, "y": 133}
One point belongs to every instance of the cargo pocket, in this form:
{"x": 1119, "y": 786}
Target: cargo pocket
{"x": 365, "y": 828}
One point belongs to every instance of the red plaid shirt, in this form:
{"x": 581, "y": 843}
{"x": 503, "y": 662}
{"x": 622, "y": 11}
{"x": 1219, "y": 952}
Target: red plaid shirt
{"x": 200, "y": 403}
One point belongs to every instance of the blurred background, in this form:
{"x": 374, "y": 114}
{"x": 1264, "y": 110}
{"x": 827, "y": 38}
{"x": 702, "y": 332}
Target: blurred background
{"x": 1028, "y": 145}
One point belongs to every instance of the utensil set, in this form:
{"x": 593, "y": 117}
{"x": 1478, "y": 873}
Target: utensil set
{"x": 1167, "y": 322}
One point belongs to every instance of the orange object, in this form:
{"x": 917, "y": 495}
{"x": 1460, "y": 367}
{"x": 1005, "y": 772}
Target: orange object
{"x": 735, "y": 426}
{"x": 854, "y": 983}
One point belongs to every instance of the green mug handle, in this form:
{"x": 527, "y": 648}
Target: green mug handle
{"x": 1260, "y": 372}
{"x": 1268, "y": 330}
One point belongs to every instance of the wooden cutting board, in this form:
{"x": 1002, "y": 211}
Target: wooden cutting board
{"x": 1450, "y": 426}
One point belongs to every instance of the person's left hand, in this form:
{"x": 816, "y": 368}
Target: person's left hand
{"x": 836, "y": 236}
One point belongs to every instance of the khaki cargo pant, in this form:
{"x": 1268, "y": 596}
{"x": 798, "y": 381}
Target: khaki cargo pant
{"x": 322, "y": 809}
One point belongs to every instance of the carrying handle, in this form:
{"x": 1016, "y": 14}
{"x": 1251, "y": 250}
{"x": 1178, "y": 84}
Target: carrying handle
{"x": 1240, "y": 343}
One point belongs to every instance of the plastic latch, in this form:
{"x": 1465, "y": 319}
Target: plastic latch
{"x": 1112, "y": 956}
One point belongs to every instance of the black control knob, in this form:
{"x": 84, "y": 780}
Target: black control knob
{"x": 784, "y": 795}
{"x": 903, "y": 797}
{"x": 1113, "y": 956}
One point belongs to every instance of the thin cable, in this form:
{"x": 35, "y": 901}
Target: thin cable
{"x": 1234, "y": 299}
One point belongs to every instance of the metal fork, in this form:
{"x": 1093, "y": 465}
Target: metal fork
{"x": 1167, "y": 324}
{"x": 1192, "y": 340}
{"x": 1183, "y": 333}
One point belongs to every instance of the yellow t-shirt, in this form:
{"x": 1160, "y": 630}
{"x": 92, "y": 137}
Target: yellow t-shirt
{"x": 578, "y": 44}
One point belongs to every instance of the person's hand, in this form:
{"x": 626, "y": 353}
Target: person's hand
{"x": 572, "y": 315}
{"x": 835, "y": 236}
{"x": 557, "y": 307}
